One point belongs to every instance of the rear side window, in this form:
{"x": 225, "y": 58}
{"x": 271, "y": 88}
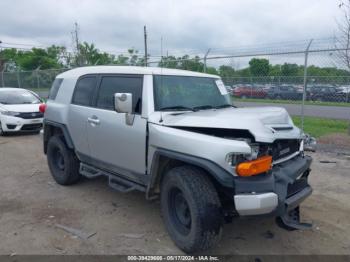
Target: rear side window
{"x": 54, "y": 88}
{"x": 84, "y": 90}
{"x": 120, "y": 84}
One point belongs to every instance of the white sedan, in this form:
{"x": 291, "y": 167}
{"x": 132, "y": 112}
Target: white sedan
{"x": 19, "y": 111}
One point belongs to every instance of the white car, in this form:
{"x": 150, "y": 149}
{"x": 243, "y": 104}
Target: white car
{"x": 19, "y": 111}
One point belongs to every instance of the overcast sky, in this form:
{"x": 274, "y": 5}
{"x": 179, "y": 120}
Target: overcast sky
{"x": 183, "y": 24}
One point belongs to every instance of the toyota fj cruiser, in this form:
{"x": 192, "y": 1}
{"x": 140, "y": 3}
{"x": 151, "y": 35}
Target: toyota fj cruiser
{"x": 175, "y": 134}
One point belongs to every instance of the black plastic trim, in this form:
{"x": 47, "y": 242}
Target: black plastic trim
{"x": 278, "y": 181}
{"x": 223, "y": 177}
{"x": 65, "y": 132}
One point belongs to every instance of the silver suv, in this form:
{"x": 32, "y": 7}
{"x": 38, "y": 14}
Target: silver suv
{"x": 174, "y": 134}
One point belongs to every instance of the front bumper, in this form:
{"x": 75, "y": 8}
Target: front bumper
{"x": 281, "y": 190}
{"x": 17, "y": 124}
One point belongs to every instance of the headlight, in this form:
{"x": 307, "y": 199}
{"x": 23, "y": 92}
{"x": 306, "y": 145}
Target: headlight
{"x": 9, "y": 113}
{"x": 235, "y": 158}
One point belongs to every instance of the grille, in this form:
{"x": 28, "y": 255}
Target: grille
{"x": 30, "y": 127}
{"x": 284, "y": 148}
{"x": 279, "y": 149}
{"x": 297, "y": 186}
{"x": 11, "y": 126}
{"x": 31, "y": 115}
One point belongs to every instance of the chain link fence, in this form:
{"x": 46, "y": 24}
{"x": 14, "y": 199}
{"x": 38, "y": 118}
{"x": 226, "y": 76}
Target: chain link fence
{"x": 280, "y": 77}
{"x": 39, "y": 81}
{"x": 302, "y": 74}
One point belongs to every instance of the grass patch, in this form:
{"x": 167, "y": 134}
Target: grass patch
{"x": 316, "y": 126}
{"x": 280, "y": 101}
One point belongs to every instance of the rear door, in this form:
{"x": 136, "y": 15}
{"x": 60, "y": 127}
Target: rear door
{"x": 79, "y": 110}
{"x": 116, "y": 146}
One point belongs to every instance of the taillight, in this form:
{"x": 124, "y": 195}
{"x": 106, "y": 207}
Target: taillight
{"x": 254, "y": 167}
{"x": 42, "y": 108}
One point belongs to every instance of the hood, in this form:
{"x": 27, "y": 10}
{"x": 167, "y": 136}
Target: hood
{"x": 25, "y": 108}
{"x": 266, "y": 124}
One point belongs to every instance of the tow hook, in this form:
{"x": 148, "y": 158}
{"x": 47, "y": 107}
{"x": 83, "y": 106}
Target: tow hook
{"x": 291, "y": 221}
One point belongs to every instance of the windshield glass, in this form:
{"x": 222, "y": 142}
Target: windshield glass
{"x": 17, "y": 97}
{"x": 189, "y": 93}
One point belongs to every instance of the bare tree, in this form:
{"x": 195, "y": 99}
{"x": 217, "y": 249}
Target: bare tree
{"x": 343, "y": 38}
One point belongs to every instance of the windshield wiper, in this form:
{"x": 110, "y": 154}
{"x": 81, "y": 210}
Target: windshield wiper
{"x": 203, "y": 107}
{"x": 176, "y": 108}
{"x": 223, "y": 106}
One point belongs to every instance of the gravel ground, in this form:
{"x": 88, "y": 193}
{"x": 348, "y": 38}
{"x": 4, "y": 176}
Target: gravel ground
{"x": 33, "y": 210}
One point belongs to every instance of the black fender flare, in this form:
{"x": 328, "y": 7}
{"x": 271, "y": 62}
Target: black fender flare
{"x": 219, "y": 174}
{"x": 64, "y": 130}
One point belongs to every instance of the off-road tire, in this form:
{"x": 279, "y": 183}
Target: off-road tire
{"x": 63, "y": 163}
{"x": 204, "y": 207}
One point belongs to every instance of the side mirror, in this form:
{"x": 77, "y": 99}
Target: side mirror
{"x": 123, "y": 102}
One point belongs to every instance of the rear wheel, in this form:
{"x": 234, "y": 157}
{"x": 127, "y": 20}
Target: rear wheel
{"x": 191, "y": 209}
{"x": 63, "y": 163}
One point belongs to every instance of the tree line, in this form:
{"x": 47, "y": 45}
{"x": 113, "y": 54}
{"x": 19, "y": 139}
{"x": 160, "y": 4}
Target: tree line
{"x": 57, "y": 57}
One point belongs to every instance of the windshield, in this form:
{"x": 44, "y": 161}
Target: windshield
{"x": 189, "y": 93}
{"x": 17, "y": 97}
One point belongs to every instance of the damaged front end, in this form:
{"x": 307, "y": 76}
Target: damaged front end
{"x": 233, "y": 137}
{"x": 278, "y": 192}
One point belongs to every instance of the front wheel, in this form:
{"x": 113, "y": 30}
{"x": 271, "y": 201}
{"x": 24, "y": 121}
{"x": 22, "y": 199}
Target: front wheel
{"x": 63, "y": 163}
{"x": 191, "y": 209}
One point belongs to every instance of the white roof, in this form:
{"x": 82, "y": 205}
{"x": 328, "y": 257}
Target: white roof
{"x": 77, "y": 72}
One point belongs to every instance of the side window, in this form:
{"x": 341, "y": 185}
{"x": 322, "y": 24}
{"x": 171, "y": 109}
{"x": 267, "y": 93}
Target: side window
{"x": 120, "y": 84}
{"x": 84, "y": 91}
{"x": 54, "y": 88}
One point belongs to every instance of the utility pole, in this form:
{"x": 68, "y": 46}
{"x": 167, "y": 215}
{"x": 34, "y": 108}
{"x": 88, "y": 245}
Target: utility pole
{"x": 76, "y": 43}
{"x": 145, "y": 39}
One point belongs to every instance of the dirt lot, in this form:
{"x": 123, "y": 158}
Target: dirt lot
{"x": 32, "y": 205}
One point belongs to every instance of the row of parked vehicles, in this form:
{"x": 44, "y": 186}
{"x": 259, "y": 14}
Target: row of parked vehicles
{"x": 292, "y": 92}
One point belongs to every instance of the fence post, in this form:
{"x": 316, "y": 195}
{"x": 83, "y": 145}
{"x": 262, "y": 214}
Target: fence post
{"x": 2, "y": 78}
{"x": 205, "y": 61}
{"x": 37, "y": 77}
{"x": 305, "y": 85}
{"x": 18, "y": 78}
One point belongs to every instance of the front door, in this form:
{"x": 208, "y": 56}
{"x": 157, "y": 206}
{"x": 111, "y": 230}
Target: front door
{"x": 114, "y": 145}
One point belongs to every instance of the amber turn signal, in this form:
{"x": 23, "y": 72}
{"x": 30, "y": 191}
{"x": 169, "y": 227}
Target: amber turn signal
{"x": 254, "y": 167}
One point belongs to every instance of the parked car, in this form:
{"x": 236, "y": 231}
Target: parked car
{"x": 19, "y": 111}
{"x": 284, "y": 92}
{"x": 249, "y": 91}
{"x": 345, "y": 91}
{"x": 174, "y": 134}
{"x": 325, "y": 93}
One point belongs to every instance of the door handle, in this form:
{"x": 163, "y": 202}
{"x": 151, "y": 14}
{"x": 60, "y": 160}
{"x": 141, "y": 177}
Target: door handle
{"x": 93, "y": 120}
